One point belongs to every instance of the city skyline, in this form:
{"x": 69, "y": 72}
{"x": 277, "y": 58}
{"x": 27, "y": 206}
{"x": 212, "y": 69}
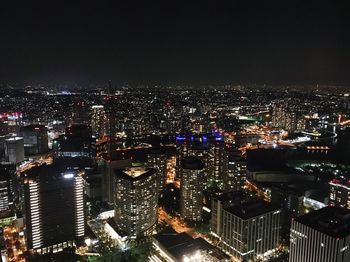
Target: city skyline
{"x": 181, "y": 131}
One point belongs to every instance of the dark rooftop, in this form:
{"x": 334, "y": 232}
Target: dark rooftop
{"x": 250, "y": 209}
{"x": 332, "y": 221}
{"x": 233, "y": 196}
{"x": 48, "y": 172}
{"x": 180, "y": 244}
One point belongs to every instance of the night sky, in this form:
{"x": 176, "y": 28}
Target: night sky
{"x": 175, "y": 42}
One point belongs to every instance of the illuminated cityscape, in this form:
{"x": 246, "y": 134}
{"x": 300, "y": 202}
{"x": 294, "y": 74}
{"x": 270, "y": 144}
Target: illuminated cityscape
{"x": 170, "y": 132}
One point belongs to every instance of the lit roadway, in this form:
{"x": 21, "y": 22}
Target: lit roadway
{"x": 37, "y": 161}
{"x": 11, "y": 237}
{"x": 178, "y": 224}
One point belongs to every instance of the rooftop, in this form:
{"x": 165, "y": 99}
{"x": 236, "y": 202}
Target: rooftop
{"x": 135, "y": 172}
{"x": 251, "y": 209}
{"x": 49, "y": 172}
{"x": 181, "y": 244}
{"x": 332, "y": 221}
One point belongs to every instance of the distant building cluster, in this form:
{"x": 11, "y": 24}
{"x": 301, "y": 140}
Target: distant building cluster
{"x": 226, "y": 173}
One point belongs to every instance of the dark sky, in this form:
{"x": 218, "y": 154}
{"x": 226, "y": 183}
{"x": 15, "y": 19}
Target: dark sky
{"x": 172, "y": 41}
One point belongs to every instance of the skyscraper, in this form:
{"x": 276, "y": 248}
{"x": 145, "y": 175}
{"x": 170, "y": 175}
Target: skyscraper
{"x": 235, "y": 177}
{"x": 7, "y": 175}
{"x": 136, "y": 201}
{"x": 217, "y": 162}
{"x": 110, "y": 107}
{"x": 250, "y": 229}
{"x": 157, "y": 158}
{"x": 98, "y": 120}
{"x": 339, "y": 193}
{"x": 210, "y": 149}
{"x": 35, "y": 139}
{"x": 321, "y": 236}
{"x": 191, "y": 188}
{"x": 284, "y": 116}
{"x": 54, "y": 208}
{"x": 14, "y": 150}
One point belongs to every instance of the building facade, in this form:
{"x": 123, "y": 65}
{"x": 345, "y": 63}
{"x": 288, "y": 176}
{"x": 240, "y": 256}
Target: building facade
{"x": 249, "y": 230}
{"x": 54, "y": 208}
{"x": 98, "y": 116}
{"x": 157, "y": 158}
{"x": 321, "y": 236}
{"x": 136, "y": 201}
{"x": 339, "y": 194}
{"x": 191, "y": 188}
{"x": 35, "y": 139}
{"x": 14, "y": 150}
{"x": 235, "y": 177}
{"x": 7, "y": 194}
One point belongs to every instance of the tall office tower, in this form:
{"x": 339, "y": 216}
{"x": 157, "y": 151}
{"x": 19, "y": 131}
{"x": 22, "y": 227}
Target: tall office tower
{"x": 110, "y": 107}
{"x": 157, "y": 158}
{"x": 235, "y": 177}
{"x": 168, "y": 113}
{"x": 35, "y": 139}
{"x": 278, "y": 115}
{"x": 98, "y": 120}
{"x": 291, "y": 120}
{"x": 321, "y": 236}
{"x": 284, "y": 116}
{"x": 211, "y": 151}
{"x": 77, "y": 141}
{"x": 7, "y": 177}
{"x": 247, "y": 228}
{"x": 109, "y": 166}
{"x": 54, "y": 208}
{"x": 14, "y": 150}
{"x": 221, "y": 201}
{"x": 217, "y": 162}
{"x": 136, "y": 201}
{"x": 81, "y": 112}
{"x": 339, "y": 193}
{"x": 191, "y": 188}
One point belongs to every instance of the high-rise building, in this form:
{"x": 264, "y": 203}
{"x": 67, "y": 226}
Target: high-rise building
{"x": 109, "y": 166}
{"x": 235, "y": 177}
{"x": 157, "y": 158}
{"x": 110, "y": 108}
{"x": 339, "y": 193}
{"x": 290, "y": 199}
{"x": 77, "y": 142}
{"x": 191, "y": 188}
{"x": 54, "y": 208}
{"x": 248, "y": 229}
{"x": 221, "y": 201}
{"x": 321, "y": 236}
{"x": 80, "y": 112}
{"x": 35, "y": 139}
{"x": 217, "y": 162}
{"x": 7, "y": 175}
{"x": 210, "y": 149}
{"x": 136, "y": 201}
{"x": 98, "y": 120}
{"x": 14, "y": 150}
{"x": 284, "y": 116}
